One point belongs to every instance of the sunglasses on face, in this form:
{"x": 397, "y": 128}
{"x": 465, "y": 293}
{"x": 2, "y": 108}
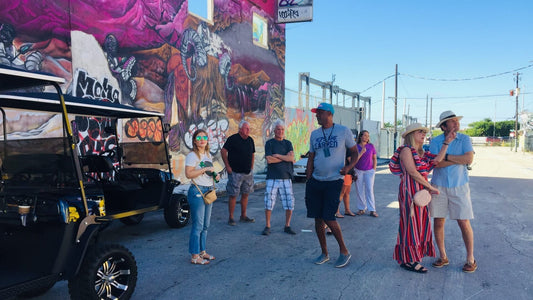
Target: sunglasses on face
{"x": 199, "y": 138}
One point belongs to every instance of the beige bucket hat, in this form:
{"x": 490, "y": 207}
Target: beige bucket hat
{"x": 414, "y": 127}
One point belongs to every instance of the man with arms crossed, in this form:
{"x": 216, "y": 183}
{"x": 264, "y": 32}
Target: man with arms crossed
{"x": 279, "y": 156}
{"x": 325, "y": 172}
{"x": 451, "y": 178}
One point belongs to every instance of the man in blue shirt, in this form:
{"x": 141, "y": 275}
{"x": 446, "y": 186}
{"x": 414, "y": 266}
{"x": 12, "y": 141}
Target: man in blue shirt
{"x": 325, "y": 173}
{"x": 451, "y": 178}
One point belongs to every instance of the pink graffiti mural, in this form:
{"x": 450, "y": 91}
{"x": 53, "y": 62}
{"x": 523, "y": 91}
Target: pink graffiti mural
{"x": 197, "y": 73}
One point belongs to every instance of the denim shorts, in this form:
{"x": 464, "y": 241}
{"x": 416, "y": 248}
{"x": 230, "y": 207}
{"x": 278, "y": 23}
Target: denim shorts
{"x": 322, "y": 198}
{"x": 240, "y": 183}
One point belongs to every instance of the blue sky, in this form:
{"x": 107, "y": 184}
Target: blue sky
{"x": 361, "y": 41}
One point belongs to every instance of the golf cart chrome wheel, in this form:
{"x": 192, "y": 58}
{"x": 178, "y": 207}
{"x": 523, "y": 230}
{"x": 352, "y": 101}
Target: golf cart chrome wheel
{"x": 177, "y": 212}
{"x": 109, "y": 272}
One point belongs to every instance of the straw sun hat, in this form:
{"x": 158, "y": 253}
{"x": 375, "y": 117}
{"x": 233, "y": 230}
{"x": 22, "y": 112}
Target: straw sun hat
{"x": 414, "y": 127}
{"x": 447, "y": 115}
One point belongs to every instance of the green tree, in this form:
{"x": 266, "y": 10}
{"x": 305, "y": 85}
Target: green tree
{"x": 391, "y": 125}
{"x": 486, "y": 128}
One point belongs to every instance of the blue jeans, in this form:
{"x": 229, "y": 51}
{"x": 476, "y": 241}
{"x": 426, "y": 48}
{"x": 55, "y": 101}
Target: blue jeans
{"x": 200, "y": 218}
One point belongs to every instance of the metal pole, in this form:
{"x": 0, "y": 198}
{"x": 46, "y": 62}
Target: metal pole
{"x": 307, "y": 75}
{"x": 516, "y": 116}
{"x": 494, "y": 122}
{"x": 300, "y": 104}
{"x": 426, "y": 110}
{"x": 395, "y": 107}
{"x": 430, "y": 118}
{"x": 369, "y": 109}
{"x": 383, "y": 107}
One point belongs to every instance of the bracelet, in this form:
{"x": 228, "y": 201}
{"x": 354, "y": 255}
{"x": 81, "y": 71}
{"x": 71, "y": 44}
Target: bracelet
{"x": 445, "y": 144}
{"x": 446, "y": 157}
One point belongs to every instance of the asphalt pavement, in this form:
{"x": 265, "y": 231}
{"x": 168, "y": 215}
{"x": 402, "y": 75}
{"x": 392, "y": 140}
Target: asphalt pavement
{"x": 249, "y": 265}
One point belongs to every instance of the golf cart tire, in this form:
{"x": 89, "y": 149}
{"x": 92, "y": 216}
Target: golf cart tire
{"x": 177, "y": 212}
{"x": 114, "y": 262}
{"x": 132, "y": 220}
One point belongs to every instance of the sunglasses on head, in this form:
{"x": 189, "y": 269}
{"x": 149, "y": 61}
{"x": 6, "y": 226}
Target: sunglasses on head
{"x": 199, "y": 138}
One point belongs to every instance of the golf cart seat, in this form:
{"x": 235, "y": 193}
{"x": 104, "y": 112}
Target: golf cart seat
{"x": 96, "y": 163}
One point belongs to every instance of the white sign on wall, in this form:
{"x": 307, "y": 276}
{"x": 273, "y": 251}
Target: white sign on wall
{"x": 294, "y": 11}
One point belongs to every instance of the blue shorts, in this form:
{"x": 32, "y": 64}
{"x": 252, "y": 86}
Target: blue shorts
{"x": 240, "y": 183}
{"x": 322, "y": 198}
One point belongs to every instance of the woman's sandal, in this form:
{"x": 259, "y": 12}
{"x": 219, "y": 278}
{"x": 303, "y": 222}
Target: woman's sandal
{"x": 199, "y": 261}
{"x": 414, "y": 267}
{"x": 349, "y": 213}
{"x": 339, "y": 215}
{"x": 360, "y": 212}
{"x": 204, "y": 255}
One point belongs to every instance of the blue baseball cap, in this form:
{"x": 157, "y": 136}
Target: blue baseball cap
{"x": 324, "y": 106}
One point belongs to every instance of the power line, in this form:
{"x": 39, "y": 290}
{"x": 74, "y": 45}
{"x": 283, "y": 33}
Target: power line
{"x": 447, "y": 79}
{"x": 390, "y": 76}
{"x": 454, "y": 97}
{"x": 467, "y": 79}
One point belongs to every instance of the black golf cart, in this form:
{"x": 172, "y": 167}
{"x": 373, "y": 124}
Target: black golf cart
{"x": 60, "y": 187}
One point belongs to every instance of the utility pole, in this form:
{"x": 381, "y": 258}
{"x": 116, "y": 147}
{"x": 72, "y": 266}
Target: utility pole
{"x": 431, "y": 118}
{"x": 426, "y": 110}
{"x": 383, "y": 107}
{"x": 516, "y": 115}
{"x": 395, "y": 108}
{"x": 494, "y": 121}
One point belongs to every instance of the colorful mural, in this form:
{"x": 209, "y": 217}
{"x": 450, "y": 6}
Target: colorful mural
{"x": 299, "y": 125}
{"x": 154, "y": 55}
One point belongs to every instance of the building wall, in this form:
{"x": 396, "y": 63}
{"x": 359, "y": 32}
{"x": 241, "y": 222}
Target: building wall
{"x": 156, "y": 56}
{"x": 299, "y": 124}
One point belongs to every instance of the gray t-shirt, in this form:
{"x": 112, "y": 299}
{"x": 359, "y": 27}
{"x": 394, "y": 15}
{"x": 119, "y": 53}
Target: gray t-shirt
{"x": 283, "y": 169}
{"x": 329, "y": 146}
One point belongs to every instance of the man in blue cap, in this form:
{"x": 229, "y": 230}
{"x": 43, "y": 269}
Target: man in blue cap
{"x": 325, "y": 172}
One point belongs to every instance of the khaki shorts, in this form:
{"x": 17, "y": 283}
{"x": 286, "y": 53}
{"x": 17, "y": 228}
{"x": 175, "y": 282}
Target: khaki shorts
{"x": 454, "y": 202}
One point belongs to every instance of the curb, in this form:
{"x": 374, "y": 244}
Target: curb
{"x": 259, "y": 183}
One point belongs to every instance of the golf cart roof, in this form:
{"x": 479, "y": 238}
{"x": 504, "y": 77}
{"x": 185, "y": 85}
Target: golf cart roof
{"x": 12, "y": 78}
{"x": 49, "y": 102}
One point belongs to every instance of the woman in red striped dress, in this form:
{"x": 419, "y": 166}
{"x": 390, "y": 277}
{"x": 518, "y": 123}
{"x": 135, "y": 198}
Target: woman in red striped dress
{"x": 412, "y": 164}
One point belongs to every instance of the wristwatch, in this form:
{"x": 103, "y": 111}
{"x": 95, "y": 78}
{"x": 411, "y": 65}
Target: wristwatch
{"x": 446, "y": 157}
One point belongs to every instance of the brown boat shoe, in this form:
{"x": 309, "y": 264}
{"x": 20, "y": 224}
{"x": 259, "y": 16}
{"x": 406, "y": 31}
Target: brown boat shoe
{"x": 441, "y": 262}
{"x": 470, "y": 267}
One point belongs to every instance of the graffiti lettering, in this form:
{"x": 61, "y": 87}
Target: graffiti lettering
{"x": 89, "y": 87}
{"x": 283, "y": 3}
{"x": 216, "y": 131}
{"x": 288, "y": 14}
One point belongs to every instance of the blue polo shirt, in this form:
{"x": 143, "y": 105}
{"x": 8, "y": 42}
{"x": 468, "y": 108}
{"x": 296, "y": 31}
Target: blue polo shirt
{"x": 454, "y": 175}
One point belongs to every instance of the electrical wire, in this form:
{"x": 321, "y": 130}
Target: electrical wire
{"x": 445, "y": 79}
{"x": 467, "y": 79}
